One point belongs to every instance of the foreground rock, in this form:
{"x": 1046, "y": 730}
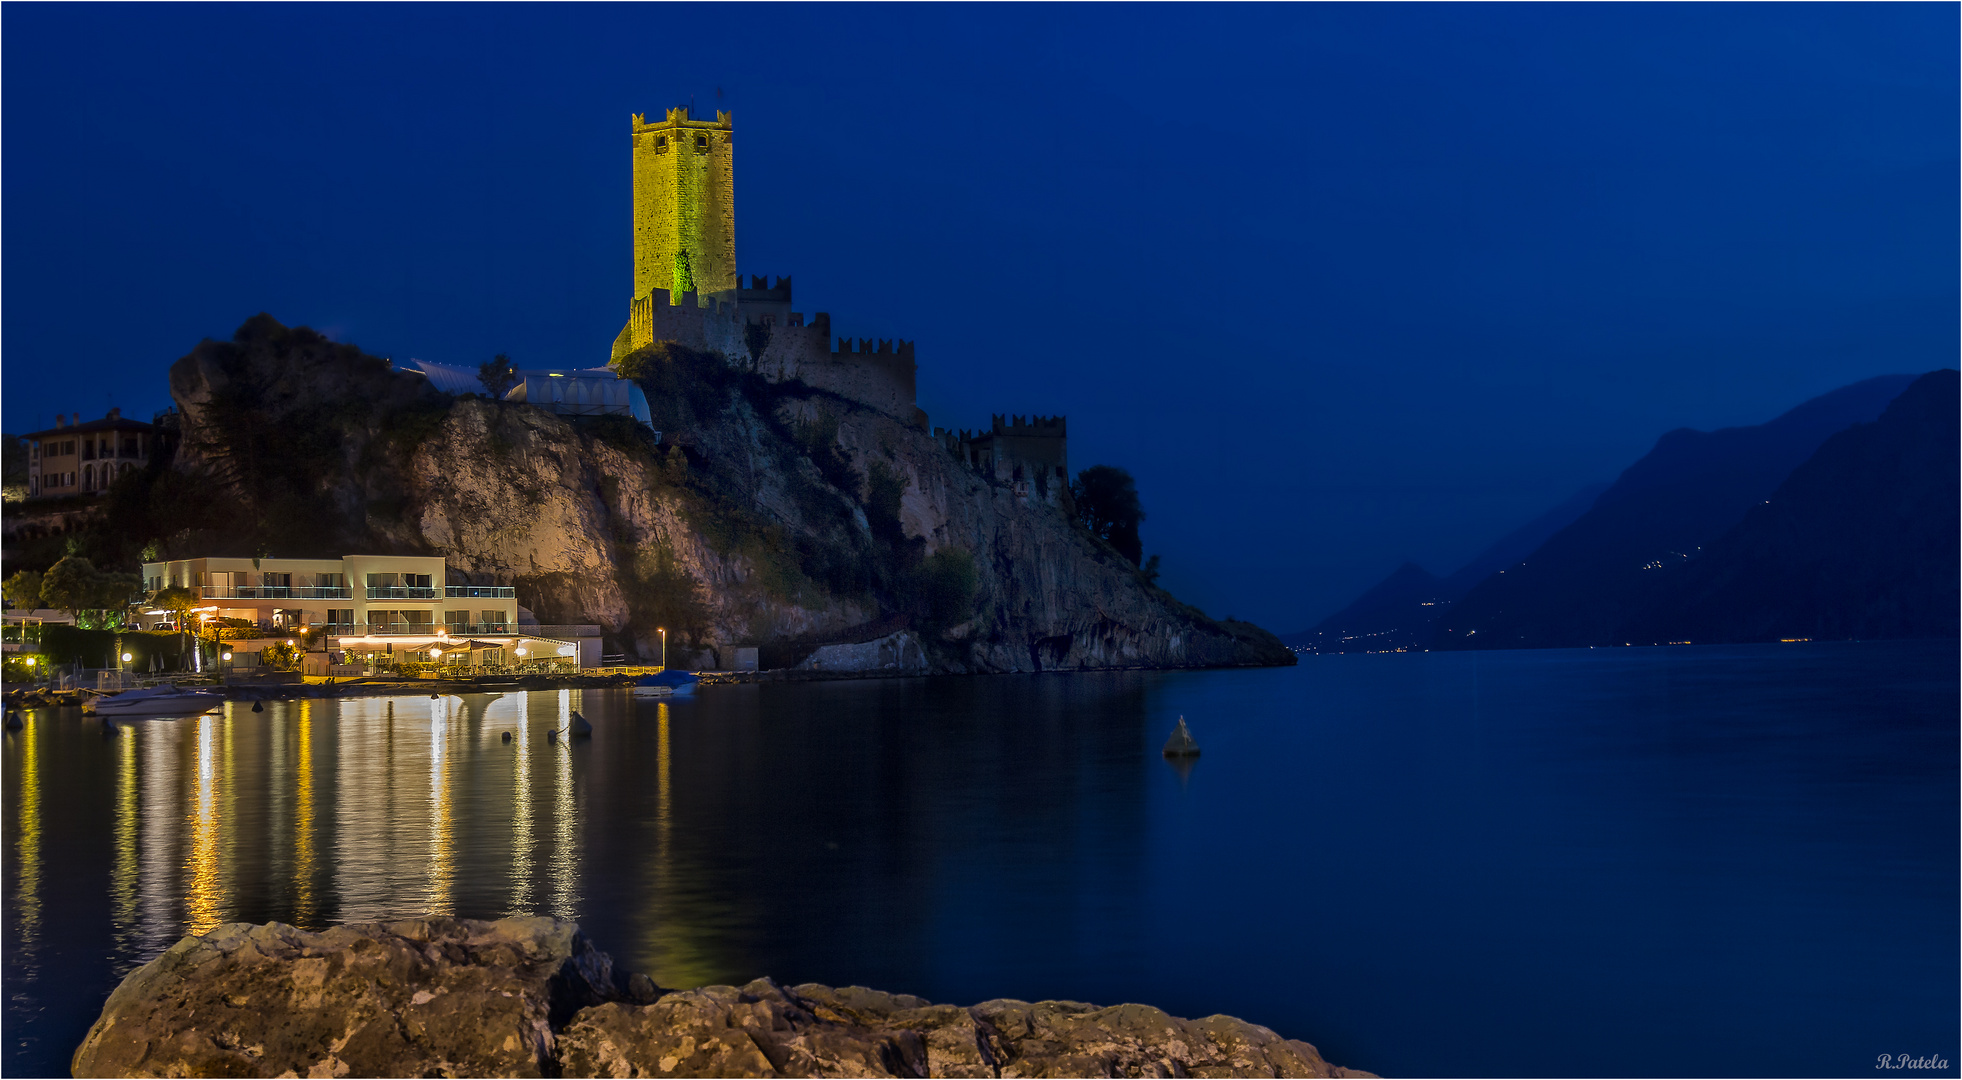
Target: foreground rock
{"x": 530, "y": 997}
{"x": 450, "y": 997}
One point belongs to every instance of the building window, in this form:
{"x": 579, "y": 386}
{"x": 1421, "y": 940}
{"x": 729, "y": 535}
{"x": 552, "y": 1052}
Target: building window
{"x": 701, "y": 144}
{"x": 660, "y": 144}
{"x": 493, "y": 618}
{"x": 88, "y": 476}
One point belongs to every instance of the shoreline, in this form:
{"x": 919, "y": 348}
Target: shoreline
{"x": 318, "y": 687}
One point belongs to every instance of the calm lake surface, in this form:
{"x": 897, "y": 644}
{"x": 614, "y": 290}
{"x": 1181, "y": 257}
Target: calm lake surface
{"x": 1700, "y": 861}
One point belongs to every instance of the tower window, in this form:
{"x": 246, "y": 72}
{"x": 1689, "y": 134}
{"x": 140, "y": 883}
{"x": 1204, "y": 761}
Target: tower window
{"x": 701, "y": 144}
{"x": 660, "y": 144}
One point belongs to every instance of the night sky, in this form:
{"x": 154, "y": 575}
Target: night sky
{"x": 1340, "y": 285}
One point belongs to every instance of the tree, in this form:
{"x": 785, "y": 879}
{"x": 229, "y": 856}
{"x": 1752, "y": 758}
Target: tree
{"x": 945, "y": 587}
{"x": 95, "y": 598}
{"x": 1107, "y": 504}
{"x": 280, "y": 656}
{"x": 23, "y": 589}
{"x": 498, "y": 375}
{"x": 177, "y": 600}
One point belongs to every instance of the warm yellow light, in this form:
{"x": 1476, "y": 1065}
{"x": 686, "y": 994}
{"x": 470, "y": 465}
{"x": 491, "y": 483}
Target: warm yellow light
{"x": 30, "y": 661}
{"x": 289, "y": 641}
{"x": 521, "y": 652}
{"x": 224, "y": 656}
{"x": 127, "y": 658}
{"x": 435, "y": 652}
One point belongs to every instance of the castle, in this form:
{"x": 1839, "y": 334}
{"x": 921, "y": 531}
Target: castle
{"x": 687, "y": 290}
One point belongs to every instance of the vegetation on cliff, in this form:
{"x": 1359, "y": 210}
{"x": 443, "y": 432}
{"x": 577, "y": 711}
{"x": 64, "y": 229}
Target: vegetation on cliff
{"x": 762, "y": 513}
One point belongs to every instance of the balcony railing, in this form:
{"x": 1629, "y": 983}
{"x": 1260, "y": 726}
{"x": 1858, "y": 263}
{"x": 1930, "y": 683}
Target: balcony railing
{"x": 277, "y": 592}
{"x": 489, "y": 592}
{"x": 557, "y": 631}
{"x": 402, "y": 592}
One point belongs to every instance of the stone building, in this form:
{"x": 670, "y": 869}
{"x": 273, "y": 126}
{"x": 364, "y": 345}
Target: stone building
{"x": 1032, "y": 453}
{"x": 77, "y": 458}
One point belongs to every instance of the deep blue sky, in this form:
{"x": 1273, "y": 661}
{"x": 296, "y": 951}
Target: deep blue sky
{"x": 1340, "y": 285}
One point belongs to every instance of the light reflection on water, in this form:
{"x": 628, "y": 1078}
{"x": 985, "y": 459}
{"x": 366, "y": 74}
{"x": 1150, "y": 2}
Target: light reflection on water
{"x": 1495, "y": 863}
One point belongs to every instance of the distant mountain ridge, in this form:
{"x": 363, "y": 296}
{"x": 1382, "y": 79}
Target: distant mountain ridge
{"x": 1399, "y": 612}
{"x": 1614, "y": 563}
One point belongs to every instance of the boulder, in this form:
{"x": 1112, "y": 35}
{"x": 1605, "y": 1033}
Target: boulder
{"x": 438, "y": 996}
{"x": 530, "y": 997}
{"x": 764, "y": 1029}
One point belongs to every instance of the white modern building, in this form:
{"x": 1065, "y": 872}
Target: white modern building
{"x": 375, "y": 605}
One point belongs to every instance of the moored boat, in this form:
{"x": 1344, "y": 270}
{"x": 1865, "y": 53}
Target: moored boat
{"x": 157, "y": 701}
{"x": 670, "y": 683}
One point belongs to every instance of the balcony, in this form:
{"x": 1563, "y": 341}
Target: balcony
{"x": 402, "y": 592}
{"x": 559, "y": 632}
{"x": 276, "y": 592}
{"x": 488, "y": 592}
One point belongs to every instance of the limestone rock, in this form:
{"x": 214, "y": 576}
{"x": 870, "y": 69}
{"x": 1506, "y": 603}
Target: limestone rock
{"x": 530, "y": 997}
{"x": 582, "y": 522}
{"x": 451, "y": 997}
{"x": 763, "y": 1029}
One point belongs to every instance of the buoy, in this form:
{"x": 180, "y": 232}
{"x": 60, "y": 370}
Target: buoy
{"x": 433, "y": 695}
{"x": 1181, "y": 744}
{"x": 552, "y": 735}
{"x": 507, "y": 736}
{"x": 258, "y": 706}
{"x": 13, "y": 721}
{"x": 579, "y": 726}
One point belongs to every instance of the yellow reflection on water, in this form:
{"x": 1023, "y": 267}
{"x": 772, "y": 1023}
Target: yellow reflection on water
{"x": 203, "y": 895}
{"x": 29, "y": 902}
{"x": 303, "y": 851}
{"x": 676, "y": 945}
{"x": 521, "y": 839}
{"x": 122, "y": 889}
{"x": 565, "y": 861}
{"x": 442, "y": 859}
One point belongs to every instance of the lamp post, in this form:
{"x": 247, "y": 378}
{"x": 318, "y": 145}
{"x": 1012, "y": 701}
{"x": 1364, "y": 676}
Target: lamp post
{"x": 664, "y": 647}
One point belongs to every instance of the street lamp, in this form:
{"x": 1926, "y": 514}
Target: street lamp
{"x": 664, "y": 646}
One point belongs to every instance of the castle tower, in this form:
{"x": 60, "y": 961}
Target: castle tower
{"x": 684, "y": 208}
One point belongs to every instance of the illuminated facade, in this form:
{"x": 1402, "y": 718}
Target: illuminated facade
{"x": 684, "y": 214}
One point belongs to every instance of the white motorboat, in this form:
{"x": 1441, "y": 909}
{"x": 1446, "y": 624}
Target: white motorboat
{"x": 157, "y": 701}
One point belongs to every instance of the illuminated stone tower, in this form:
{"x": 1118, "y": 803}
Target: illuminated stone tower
{"x": 684, "y": 213}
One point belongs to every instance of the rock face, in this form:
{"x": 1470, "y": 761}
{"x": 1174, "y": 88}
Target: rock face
{"x": 763, "y": 1029}
{"x": 768, "y": 513}
{"x": 436, "y": 997}
{"x": 529, "y": 997}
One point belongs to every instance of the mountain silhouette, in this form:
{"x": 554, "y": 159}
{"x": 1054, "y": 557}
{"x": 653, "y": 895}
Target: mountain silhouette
{"x": 1858, "y": 542}
{"x": 1613, "y": 568}
{"x": 1399, "y": 612}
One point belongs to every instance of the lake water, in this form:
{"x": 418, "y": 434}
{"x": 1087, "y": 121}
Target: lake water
{"x": 1700, "y": 861}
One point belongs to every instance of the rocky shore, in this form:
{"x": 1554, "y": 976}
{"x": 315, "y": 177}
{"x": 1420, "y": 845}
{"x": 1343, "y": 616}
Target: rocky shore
{"x": 532, "y": 997}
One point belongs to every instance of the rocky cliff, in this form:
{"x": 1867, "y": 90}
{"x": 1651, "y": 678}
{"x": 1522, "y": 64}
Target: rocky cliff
{"x": 531, "y": 997}
{"x": 767, "y": 514}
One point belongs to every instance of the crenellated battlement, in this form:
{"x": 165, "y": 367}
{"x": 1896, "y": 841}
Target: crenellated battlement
{"x": 1029, "y": 452}
{"x": 866, "y": 347}
{"x": 679, "y": 118}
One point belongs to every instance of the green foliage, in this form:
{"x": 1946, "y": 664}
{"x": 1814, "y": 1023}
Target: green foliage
{"x": 17, "y": 669}
{"x": 280, "y": 656}
{"x": 1150, "y": 571}
{"x": 663, "y": 594}
{"x": 23, "y": 589}
{"x": 756, "y": 338}
{"x": 684, "y": 276}
{"x": 498, "y": 375}
{"x": 944, "y": 588}
{"x": 685, "y": 387}
{"x": 884, "y": 488}
{"x": 1107, "y": 505}
{"x": 96, "y": 598}
{"x": 175, "y": 599}
{"x": 99, "y": 648}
